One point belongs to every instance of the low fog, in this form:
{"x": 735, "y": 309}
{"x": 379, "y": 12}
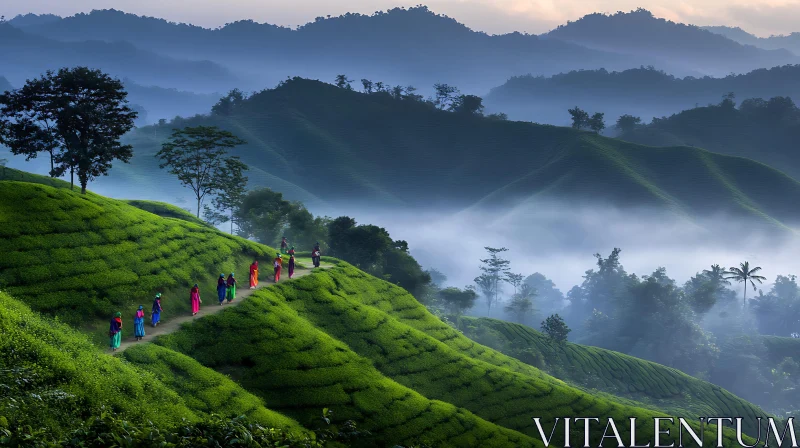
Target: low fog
{"x": 559, "y": 240}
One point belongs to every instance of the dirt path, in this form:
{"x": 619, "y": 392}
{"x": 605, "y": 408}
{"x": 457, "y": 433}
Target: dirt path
{"x": 208, "y": 307}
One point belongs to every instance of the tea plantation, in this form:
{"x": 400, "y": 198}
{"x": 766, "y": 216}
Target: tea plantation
{"x": 337, "y": 338}
{"x": 594, "y": 368}
{"x": 329, "y": 340}
{"x": 93, "y": 256}
{"x": 52, "y": 376}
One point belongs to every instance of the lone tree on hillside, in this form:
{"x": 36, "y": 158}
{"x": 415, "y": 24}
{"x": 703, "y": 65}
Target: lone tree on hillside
{"x": 457, "y": 301}
{"x": 494, "y": 269}
{"x": 369, "y": 86}
{"x": 580, "y": 118}
{"x": 76, "y": 115}
{"x": 555, "y": 328}
{"x": 198, "y": 156}
{"x": 743, "y": 274}
{"x": 627, "y": 123}
{"x": 229, "y": 198}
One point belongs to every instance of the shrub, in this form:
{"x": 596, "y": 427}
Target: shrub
{"x": 555, "y": 328}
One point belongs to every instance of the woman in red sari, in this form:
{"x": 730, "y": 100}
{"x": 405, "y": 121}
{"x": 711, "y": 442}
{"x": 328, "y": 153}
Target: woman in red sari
{"x": 194, "y": 296}
{"x": 254, "y": 274}
{"x": 291, "y": 266}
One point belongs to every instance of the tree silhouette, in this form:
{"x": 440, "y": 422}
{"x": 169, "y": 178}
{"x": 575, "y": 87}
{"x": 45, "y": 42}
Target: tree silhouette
{"x": 343, "y": 82}
{"x": 743, "y": 274}
{"x": 444, "y": 95}
{"x": 368, "y": 85}
{"x": 596, "y": 123}
{"x": 627, "y": 123}
{"x": 522, "y": 302}
{"x": 76, "y": 115}
{"x": 580, "y": 118}
{"x": 494, "y": 269}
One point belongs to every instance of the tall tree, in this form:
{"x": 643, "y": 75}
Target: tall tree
{"x": 230, "y": 196}
{"x": 198, "y": 157}
{"x": 514, "y": 280}
{"x": 457, "y": 301}
{"x": 580, "y": 118}
{"x": 743, "y": 274}
{"x": 76, "y": 115}
{"x": 494, "y": 269}
{"x": 343, "y": 82}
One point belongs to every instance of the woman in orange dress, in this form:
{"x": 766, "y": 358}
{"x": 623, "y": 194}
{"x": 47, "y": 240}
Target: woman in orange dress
{"x": 254, "y": 274}
{"x": 278, "y": 264}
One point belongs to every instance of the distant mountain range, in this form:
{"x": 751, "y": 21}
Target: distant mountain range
{"x": 643, "y": 92}
{"x": 676, "y": 45}
{"x": 417, "y": 46}
{"x": 27, "y": 55}
{"x": 321, "y": 144}
{"x": 789, "y": 42}
{"x": 4, "y": 84}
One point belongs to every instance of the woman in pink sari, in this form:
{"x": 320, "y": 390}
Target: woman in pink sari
{"x": 195, "y": 297}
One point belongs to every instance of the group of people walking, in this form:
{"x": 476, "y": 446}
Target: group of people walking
{"x": 226, "y": 291}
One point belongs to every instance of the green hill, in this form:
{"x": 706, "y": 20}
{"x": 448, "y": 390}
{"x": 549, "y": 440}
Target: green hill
{"x": 597, "y": 369}
{"x": 84, "y": 257}
{"x": 54, "y": 377}
{"x": 761, "y": 129}
{"x": 313, "y": 141}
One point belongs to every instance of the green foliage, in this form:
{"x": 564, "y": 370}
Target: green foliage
{"x": 110, "y": 430}
{"x": 164, "y": 210}
{"x": 372, "y": 249}
{"x": 53, "y": 377}
{"x": 647, "y": 383}
{"x": 76, "y": 115}
{"x": 205, "y": 391}
{"x": 555, "y": 328}
{"x": 94, "y": 256}
{"x": 372, "y": 352}
{"x": 627, "y": 122}
{"x": 264, "y": 215}
{"x": 198, "y": 157}
{"x": 456, "y": 301}
{"x": 744, "y": 274}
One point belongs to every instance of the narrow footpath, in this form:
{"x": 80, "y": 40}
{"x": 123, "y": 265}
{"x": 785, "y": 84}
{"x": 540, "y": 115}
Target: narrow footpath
{"x": 208, "y": 307}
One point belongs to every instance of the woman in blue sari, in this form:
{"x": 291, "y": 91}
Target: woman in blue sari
{"x": 138, "y": 323}
{"x": 222, "y": 288}
{"x": 156, "y": 310}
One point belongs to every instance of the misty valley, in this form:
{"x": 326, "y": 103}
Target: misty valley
{"x": 393, "y": 230}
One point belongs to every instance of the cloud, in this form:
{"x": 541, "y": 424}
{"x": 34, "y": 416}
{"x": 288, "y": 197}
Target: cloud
{"x": 767, "y": 18}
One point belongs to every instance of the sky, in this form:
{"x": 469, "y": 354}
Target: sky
{"x": 760, "y": 17}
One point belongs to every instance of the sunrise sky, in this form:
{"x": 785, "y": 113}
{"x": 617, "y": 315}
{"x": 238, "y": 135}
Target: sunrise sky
{"x": 760, "y": 17}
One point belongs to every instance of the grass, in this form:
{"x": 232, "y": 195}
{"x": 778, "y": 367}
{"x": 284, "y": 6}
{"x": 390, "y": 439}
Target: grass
{"x": 338, "y": 338}
{"x": 165, "y": 210}
{"x": 331, "y": 144}
{"x": 597, "y": 369}
{"x": 92, "y": 256}
{"x": 75, "y": 381}
{"x": 346, "y": 340}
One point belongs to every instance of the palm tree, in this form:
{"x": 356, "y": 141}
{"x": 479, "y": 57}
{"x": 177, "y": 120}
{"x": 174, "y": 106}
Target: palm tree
{"x": 717, "y": 275}
{"x": 744, "y": 274}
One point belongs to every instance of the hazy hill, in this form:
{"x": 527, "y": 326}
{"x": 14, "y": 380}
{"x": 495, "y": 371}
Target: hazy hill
{"x": 789, "y": 42}
{"x": 763, "y": 130}
{"x": 643, "y": 92}
{"x": 404, "y": 46}
{"x": 316, "y": 142}
{"x": 5, "y": 85}
{"x": 640, "y": 33}
{"x": 27, "y": 55}
{"x": 166, "y": 103}
{"x": 612, "y": 372}
{"x": 336, "y": 338}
